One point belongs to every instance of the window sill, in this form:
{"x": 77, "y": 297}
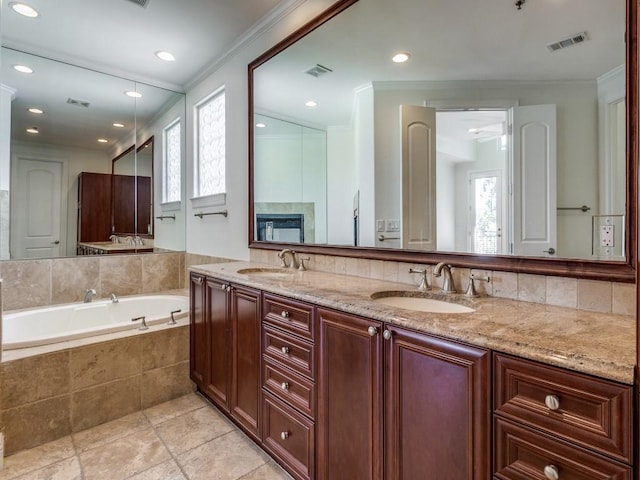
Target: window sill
{"x": 209, "y": 200}
{"x": 171, "y": 206}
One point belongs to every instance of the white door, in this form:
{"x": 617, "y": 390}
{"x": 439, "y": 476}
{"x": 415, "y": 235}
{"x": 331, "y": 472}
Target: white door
{"x": 37, "y": 208}
{"x": 534, "y": 180}
{"x": 485, "y": 212}
{"x": 418, "y": 126}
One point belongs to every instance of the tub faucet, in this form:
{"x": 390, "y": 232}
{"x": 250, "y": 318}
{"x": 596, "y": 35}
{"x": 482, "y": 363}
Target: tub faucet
{"x": 114, "y": 298}
{"x": 447, "y": 281}
{"x": 88, "y": 296}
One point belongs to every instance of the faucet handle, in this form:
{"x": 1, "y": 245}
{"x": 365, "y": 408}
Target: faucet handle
{"x": 424, "y": 282}
{"x": 143, "y": 325}
{"x": 302, "y": 260}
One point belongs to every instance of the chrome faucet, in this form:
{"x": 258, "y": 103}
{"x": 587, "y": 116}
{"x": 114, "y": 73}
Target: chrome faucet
{"x": 114, "y": 239}
{"x": 424, "y": 282}
{"x": 88, "y": 296}
{"x": 283, "y": 256}
{"x": 447, "y": 280}
{"x": 114, "y": 298}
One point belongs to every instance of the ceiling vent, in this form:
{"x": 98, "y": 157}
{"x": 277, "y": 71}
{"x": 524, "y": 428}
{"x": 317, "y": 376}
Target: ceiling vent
{"x": 568, "y": 42}
{"x": 318, "y": 70}
{"x": 142, "y": 3}
{"x": 77, "y": 103}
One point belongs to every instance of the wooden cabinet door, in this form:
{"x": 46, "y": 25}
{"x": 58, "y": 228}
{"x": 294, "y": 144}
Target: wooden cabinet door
{"x": 218, "y": 380}
{"x": 246, "y": 387}
{"x": 94, "y": 207}
{"x": 349, "y": 421}
{"x": 436, "y": 408}
{"x": 198, "y": 332}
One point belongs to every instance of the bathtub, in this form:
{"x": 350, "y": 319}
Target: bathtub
{"x": 47, "y": 325}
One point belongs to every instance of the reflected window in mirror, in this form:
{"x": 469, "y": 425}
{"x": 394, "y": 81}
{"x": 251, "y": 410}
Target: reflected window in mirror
{"x": 172, "y": 163}
{"x": 566, "y": 154}
{"x": 210, "y": 187}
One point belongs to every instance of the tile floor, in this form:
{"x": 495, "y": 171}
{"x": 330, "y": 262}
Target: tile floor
{"x": 184, "y": 439}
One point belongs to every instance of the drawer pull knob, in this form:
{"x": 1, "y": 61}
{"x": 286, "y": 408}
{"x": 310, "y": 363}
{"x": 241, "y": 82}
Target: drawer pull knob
{"x": 284, "y": 435}
{"x": 284, "y": 386}
{"x": 551, "y": 472}
{"x": 372, "y": 331}
{"x": 285, "y": 314}
{"x": 386, "y": 335}
{"x": 552, "y": 402}
{"x": 285, "y": 350}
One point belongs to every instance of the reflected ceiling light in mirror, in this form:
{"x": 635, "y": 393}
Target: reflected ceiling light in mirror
{"x": 118, "y": 125}
{"x": 102, "y": 140}
{"x": 311, "y": 104}
{"x": 33, "y": 130}
{"x": 133, "y": 94}
{"x": 400, "y": 57}
{"x": 24, "y": 9}
{"x": 166, "y": 56}
{"x": 22, "y": 69}
{"x": 261, "y": 125}
{"x": 37, "y": 111}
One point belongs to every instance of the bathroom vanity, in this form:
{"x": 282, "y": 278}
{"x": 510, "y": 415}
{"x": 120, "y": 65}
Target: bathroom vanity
{"x": 335, "y": 385}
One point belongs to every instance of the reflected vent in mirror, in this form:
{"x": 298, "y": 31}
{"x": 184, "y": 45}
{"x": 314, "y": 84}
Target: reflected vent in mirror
{"x": 568, "y": 42}
{"x": 318, "y": 70}
{"x": 78, "y": 103}
{"x": 142, "y": 3}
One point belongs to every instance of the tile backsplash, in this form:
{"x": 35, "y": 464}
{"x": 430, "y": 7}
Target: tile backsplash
{"x": 592, "y": 295}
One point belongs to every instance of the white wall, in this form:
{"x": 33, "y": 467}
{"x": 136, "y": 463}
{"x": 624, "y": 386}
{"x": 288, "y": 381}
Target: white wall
{"x": 446, "y": 200}
{"x": 341, "y": 178}
{"x": 76, "y": 161}
{"x": 216, "y": 235}
{"x": 365, "y": 166}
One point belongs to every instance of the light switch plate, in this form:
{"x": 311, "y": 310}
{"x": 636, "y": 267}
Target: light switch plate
{"x": 393, "y": 225}
{"x": 379, "y": 225}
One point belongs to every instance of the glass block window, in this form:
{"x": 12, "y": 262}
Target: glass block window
{"x": 210, "y": 160}
{"x": 171, "y": 162}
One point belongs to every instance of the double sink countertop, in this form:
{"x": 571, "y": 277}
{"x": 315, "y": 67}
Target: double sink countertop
{"x": 600, "y": 344}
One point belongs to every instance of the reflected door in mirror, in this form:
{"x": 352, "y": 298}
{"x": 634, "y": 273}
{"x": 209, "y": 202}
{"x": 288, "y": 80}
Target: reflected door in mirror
{"x": 126, "y": 195}
{"x": 94, "y": 207}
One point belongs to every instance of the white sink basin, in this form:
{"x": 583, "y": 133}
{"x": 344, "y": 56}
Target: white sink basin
{"x": 266, "y": 272}
{"x": 420, "y": 304}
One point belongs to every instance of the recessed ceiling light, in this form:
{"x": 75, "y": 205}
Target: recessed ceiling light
{"x": 166, "y": 56}
{"x": 473, "y": 130}
{"x": 24, "y": 9}
{"x": 33, "y": 130}
{"x": 133, "y": 94}
{"x": 400, "y": 57}
{"x": 102, "y": 140}
{"x": 260, "y": 125}
{"x": 36, "y": 111}
{"x": 311, "y": 104}
{"x": 22, "y": 69}
{"x": 118, "y": 125}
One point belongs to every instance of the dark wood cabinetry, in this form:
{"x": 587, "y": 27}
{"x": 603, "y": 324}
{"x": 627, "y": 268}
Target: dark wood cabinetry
{"x": 94, "y": 207}
{"x": 225, "y": 348}
{"x": 551, "y": 423}
{"x": 437, "y": 408}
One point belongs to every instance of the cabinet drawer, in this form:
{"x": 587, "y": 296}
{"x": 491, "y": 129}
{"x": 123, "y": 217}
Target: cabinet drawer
{"x": 289, "y": 350}
{"x": 522, "y": 454}
{"x": 289, "y": 387}
{"x": 289, "y": 436}
{"x": 585, "y": 410}
{"x": 295, "y": 317}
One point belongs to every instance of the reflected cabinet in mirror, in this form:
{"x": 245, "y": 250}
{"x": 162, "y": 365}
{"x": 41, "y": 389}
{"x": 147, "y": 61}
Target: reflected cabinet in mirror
{"x": 499, "y": 138}
{"x": 64, "y": 127}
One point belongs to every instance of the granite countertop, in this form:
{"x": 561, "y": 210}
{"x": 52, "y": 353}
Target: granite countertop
{"x": 600, "y": 344}
{"x": 110, "y": 246}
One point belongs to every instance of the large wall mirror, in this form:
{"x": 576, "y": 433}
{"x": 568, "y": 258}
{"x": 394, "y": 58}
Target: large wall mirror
{"x": 68, "y": 131}
{"x": 505, "y": 139}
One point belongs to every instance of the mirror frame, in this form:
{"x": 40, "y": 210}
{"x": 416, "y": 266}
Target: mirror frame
{"x": 622, "y": 271}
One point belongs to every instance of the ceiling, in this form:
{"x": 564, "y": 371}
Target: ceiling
{"x": 121, "y": 37}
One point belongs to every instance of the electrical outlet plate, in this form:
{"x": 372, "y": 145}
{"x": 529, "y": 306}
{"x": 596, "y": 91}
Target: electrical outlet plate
{"x": 606, "y": 236}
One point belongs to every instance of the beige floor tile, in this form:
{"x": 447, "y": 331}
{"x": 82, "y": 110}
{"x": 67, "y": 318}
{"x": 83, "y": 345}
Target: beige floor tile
{"x": 124, "y": 457}
{"x": 165, "y": 471}
{"x": 36, "y": 458}
{"x": 225, "y": 458}
{"x": 108, "y": 432}
{"x": 68, "y": 469}
{"x": 192, "y": 429}
{"x": 173, "y": 408}
{"x": 269, "y": 471}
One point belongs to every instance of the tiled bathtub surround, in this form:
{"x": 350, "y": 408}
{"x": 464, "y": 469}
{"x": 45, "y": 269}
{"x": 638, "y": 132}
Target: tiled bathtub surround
{"x": 48, "y": 396}
{"x": 36, "y": 283}
{"x": 591, "y": 295}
